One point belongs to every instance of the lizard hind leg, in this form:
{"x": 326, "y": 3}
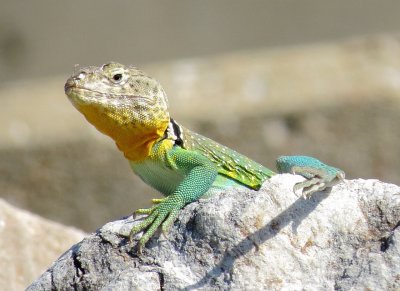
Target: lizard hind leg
{"x": 319, "y": 175}
{"x": 307, "y": 187}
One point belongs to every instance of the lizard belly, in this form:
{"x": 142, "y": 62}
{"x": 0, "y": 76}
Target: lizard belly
{"x": 158, "y": 175}
{"x": 166, "y": 180}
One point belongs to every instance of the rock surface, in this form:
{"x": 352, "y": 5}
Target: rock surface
{"x": 28, "y": 245}
{"x": 249, "y": 240}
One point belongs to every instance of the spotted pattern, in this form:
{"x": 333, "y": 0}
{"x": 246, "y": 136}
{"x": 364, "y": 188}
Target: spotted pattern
{"x": 229, "y": 162}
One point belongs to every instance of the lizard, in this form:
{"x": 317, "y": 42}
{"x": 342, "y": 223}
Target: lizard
{"x": 132, "y": 108}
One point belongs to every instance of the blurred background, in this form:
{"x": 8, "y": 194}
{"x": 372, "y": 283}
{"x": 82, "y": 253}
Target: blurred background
{"x": 266, "y": 78}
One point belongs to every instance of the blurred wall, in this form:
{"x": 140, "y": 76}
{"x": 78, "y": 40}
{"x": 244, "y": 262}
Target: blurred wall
{"x": 45, "y": 37}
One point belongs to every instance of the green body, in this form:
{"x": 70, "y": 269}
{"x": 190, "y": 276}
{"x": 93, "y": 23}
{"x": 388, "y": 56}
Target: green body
{"x": 229, "y": 167}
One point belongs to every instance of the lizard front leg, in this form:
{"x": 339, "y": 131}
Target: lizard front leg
{"x": 200, "y": 173}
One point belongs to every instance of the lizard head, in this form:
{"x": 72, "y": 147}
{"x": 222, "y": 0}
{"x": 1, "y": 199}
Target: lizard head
{"x": 123, "y": 103}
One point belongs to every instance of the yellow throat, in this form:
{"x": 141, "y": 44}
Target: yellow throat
{"x": 123, "y": 103}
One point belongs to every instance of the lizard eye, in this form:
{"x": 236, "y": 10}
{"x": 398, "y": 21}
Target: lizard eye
{"x": 117, "y": 78}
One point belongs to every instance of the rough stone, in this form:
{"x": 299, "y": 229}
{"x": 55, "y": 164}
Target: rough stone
{"x": 251, "y": 240}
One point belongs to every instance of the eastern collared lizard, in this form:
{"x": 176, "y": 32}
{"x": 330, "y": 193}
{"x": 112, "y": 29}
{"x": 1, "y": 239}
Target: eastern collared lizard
{"x": 132, "y": 108}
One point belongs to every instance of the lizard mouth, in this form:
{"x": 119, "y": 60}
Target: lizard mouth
{"x": 71, "y": 86}
{"x": 72, "y": 89}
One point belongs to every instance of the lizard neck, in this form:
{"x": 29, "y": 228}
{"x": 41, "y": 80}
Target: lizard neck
{"x": 134, "y": 137}
{"x": 138, "y": 147}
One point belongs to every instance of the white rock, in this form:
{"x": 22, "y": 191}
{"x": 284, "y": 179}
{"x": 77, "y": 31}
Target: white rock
{"x": 252, "y": 240}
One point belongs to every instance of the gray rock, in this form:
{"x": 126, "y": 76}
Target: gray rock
{"x": 251, "y": 240}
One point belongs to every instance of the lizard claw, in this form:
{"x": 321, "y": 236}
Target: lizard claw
{"x": 163, "y": 214}
{"x": 146, "y": 210}
{"x": 157, "y": 200}
{"x": 319, "y": 175}
{"x": 308, "y": 187}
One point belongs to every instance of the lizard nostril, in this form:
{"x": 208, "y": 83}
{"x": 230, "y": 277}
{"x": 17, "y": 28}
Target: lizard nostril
{"x": 73, "y": 80}
{"x": 69, "y": 84}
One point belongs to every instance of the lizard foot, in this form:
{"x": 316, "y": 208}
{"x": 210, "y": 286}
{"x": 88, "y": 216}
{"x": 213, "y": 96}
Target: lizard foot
{"x": 319, "y": 175}
{"x": 163, "y": 214}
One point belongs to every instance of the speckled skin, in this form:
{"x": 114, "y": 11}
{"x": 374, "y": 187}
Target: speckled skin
{"x": 132, "y": 108}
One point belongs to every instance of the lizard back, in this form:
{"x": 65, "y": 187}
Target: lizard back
{"x": 229, "y": 162}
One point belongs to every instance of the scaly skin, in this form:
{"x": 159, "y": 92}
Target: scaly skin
{"x": 132, "y": 108}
